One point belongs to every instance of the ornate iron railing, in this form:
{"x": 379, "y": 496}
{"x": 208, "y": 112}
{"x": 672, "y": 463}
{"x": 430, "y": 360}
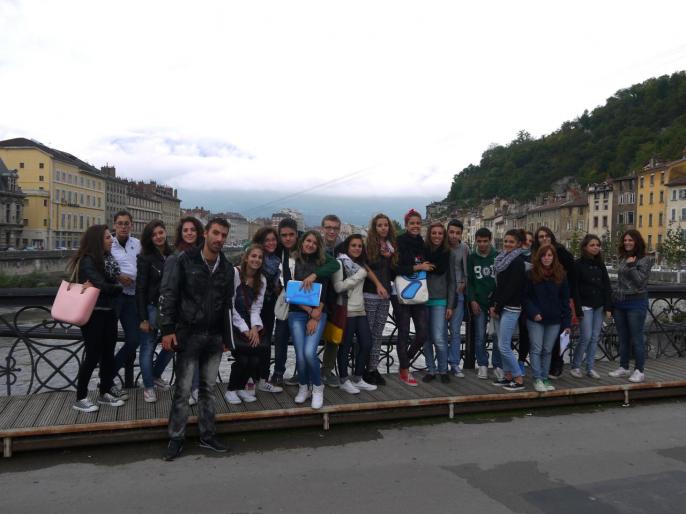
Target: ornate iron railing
{"x": 39, "y": 354}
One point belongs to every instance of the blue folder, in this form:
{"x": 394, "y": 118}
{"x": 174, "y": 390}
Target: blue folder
{"x": 297, "y": 296}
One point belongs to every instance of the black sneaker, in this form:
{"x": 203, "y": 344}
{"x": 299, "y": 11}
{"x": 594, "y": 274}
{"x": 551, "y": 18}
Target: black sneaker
{"x": 276, "y": 380}
{"x": 174, "y": 449}
{"x": 211, "y": 443}
{"x": 429, "y": 377}
{"x": 445, "y": 378}
{"x": 369, "y": 377}
{"x": 555, "y": 374}
{"x": 514, "y": 386}
{"x": 501, "y": 383}
{"x": 378, "y": 379}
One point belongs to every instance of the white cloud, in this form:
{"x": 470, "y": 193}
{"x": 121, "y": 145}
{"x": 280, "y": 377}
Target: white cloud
{"x": 237, "y": 95}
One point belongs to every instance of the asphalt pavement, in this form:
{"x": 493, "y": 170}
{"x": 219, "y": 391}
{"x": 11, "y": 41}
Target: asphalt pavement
{"x": 603, "y": 459}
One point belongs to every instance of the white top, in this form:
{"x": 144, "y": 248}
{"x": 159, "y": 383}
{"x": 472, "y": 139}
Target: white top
{"x": 126, "y": 258}
{"x": 353, "y": 286}
{"x": 255, "y": 308}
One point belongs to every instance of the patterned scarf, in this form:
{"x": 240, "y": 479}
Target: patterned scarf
{"x": 350, "y": 267}
{"x": 504, "y": 259}
{"x": 112, "y": 270}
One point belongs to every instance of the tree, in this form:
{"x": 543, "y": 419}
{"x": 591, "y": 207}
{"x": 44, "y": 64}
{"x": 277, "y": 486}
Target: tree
{"x": 673, "y": 247}
{"x": 575, "y": 244}
{"x": 398, "y": 227}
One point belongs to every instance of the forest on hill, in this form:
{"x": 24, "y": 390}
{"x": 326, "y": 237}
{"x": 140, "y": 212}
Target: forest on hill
{"x": 635, "y": 124}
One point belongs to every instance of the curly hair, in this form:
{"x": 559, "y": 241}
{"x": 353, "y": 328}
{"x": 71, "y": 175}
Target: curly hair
{"x": 639, "y": 245}
{"x": 427, "y": 239}
{"x": 373, "y": 243}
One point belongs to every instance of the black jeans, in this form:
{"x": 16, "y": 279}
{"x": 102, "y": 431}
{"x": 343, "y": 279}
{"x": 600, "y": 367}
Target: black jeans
{"x": 420, "y": 317}
{"x": 356, "y": 325}
{"x": 202, "y": 351}
{"x": 248, "y": 363}
{"x": 100, "y": 337}
{"x": 524, "y": 344}
{"x": 268, "y": 318}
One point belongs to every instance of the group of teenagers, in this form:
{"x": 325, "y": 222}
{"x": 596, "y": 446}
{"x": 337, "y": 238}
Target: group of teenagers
{"x": 198, "y": 305}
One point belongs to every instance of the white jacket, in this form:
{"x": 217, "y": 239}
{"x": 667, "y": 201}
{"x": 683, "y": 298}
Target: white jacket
{"x": 353, "y": 286}
{"x": 255, "y": 308}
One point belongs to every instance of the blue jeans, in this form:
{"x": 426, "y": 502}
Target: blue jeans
{"x": 630, "y": 323}
{"x": 148, "y": 343}
{"x": 356, "y": 325}
{"x": 455, "y": 344}
{"x": 505, "y": 326}
{"x": 542, "y": 339}
{"x": 589, "y": 334}
{"x": 306, "y": 359}
{"x": 203, "y": 352}
{"x": 127, "y": 313}
{"x": 480, "y": 322}
{"x": 438, "y": 337}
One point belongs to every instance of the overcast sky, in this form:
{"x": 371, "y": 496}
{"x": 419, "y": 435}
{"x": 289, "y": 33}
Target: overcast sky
{"x": 378, "y": 97}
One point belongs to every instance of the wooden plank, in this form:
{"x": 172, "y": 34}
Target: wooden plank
{"x": 144, "y": 410}
{"x": 126, "y": 412}
{"x": 51, "y": 411}
{"x": 32, "y": 410}
{"x": 68, "y": 415}
{"x": 12, "y": 411}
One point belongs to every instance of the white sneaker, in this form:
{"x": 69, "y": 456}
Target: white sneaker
{"x": 349, "y": 387}
{"x": 317, "y": 396}
{"x": 85, "y": 405}
{"x": 246, "y": 396}
{"x": 540, "y": 386}
{"x": 619, "y": 373}
{"x": 637, "y": 377}
{"x": 232, "y": 398}
{"x": 482, "y": 373}
{"x": 303, "y": 394}
{"x": 161, "y": 384}
{"x": 194, "y": 397}
{"x": 576, "y": 373}
{"x": 593, "y": 374}
{"x": 250, "y": 391}
{"x": 499, "y": 373}
{"x": 364, "y": 386}
{"x": 265, "y": 386}
{"x": 149, "y": 395}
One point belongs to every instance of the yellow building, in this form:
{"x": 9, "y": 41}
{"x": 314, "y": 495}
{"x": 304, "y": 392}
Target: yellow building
{"x": 64, "y": 195}
{"x": 651, "y": 198}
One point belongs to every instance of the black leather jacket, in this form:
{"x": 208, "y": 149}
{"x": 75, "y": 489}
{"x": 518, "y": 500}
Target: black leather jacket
{"x": 109, "y": 289}
{"x": 148, "y": 278}
{"x": 193, "y": 299}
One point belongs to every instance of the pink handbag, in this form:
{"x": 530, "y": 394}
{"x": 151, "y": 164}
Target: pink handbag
{"x": 74, "y": 304}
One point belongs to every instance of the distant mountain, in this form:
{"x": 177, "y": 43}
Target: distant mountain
{"x": 260, "y": 203}
{"x": 635, "y": 124}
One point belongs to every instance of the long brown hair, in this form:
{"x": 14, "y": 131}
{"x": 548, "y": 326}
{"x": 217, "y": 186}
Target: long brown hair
{"x": 639, "y": 245}
{"x": 373, "y": 243}
{"x": 92, "y": 245}
{"x": 319, "y": 256}
{"x": 427, "y": 238}
{"x": 537, "y": 273}
{"x": 243, "y": 269}
{"x": 179, "y": 243}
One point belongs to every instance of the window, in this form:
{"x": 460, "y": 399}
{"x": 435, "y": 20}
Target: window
{"x": 652, "y": 180}
{"x": 650, "y": 220}
{"x": 604, "y": 221}
{"x": 620, "y": 218}
{"x": 660, "y": 219}
{"x": 683, "y": 214}
{"x": 662, "y": 197}
{"x": 640, "y": 199}
{"x": 64, "y": 218}
{"x": 41, "y": 178}
{"x": 673, "y": 214}
{"x": 21, "y": 164}
{"x": 45, "y": 222}
{"x": 682, "y": 194}
{"x": 641, "y": 182}
{"x": 659, "y": 239}
{"x": 662, "y": 177}
{"x": 650, "y": 201}
{"x": 41, "y": 165}
{"x": 673, "y": 194}
{"x": 81, "y": 222}
{"x": 640, "y": 221}
{"x": 595, "y": 221}
{"x": 650, "y": 241}
{"x": 45, "y": 203}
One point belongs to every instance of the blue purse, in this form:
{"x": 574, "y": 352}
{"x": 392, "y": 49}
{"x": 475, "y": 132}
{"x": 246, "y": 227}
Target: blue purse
{"x": 297, "y": 296}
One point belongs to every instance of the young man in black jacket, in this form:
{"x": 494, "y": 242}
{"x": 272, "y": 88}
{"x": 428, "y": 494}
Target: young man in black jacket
{"x": 195, "y": 303}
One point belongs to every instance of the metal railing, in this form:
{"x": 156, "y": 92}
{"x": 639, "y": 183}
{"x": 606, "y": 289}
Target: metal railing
{"x": 39, "y": 354}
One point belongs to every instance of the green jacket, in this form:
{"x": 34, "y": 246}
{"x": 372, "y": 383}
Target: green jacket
{"x": 481, "y": 277}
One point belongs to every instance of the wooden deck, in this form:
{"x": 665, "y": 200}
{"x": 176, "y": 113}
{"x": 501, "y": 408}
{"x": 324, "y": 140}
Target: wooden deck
{"x": 47, "y": 420}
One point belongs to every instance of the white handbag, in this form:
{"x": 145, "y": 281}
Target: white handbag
{"x": 412, "y": 289}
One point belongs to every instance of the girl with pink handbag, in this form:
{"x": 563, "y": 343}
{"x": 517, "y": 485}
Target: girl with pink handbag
{"x": 94, "y": 266}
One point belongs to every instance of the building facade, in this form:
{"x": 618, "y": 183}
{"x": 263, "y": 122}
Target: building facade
{"x": 676, "y": 205}
{"x": 600, "y": 203}
{"x": 64, "y": 195}
{"x": 624, "y": 203}
{"x": 143, "y": 208}
{"x": 11, "y": 209}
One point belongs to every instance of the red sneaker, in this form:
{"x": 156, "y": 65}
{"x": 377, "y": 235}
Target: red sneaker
{"x": 407, "y": 378}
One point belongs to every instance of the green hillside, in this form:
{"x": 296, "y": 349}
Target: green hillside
{"x": 636, "y": 123}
